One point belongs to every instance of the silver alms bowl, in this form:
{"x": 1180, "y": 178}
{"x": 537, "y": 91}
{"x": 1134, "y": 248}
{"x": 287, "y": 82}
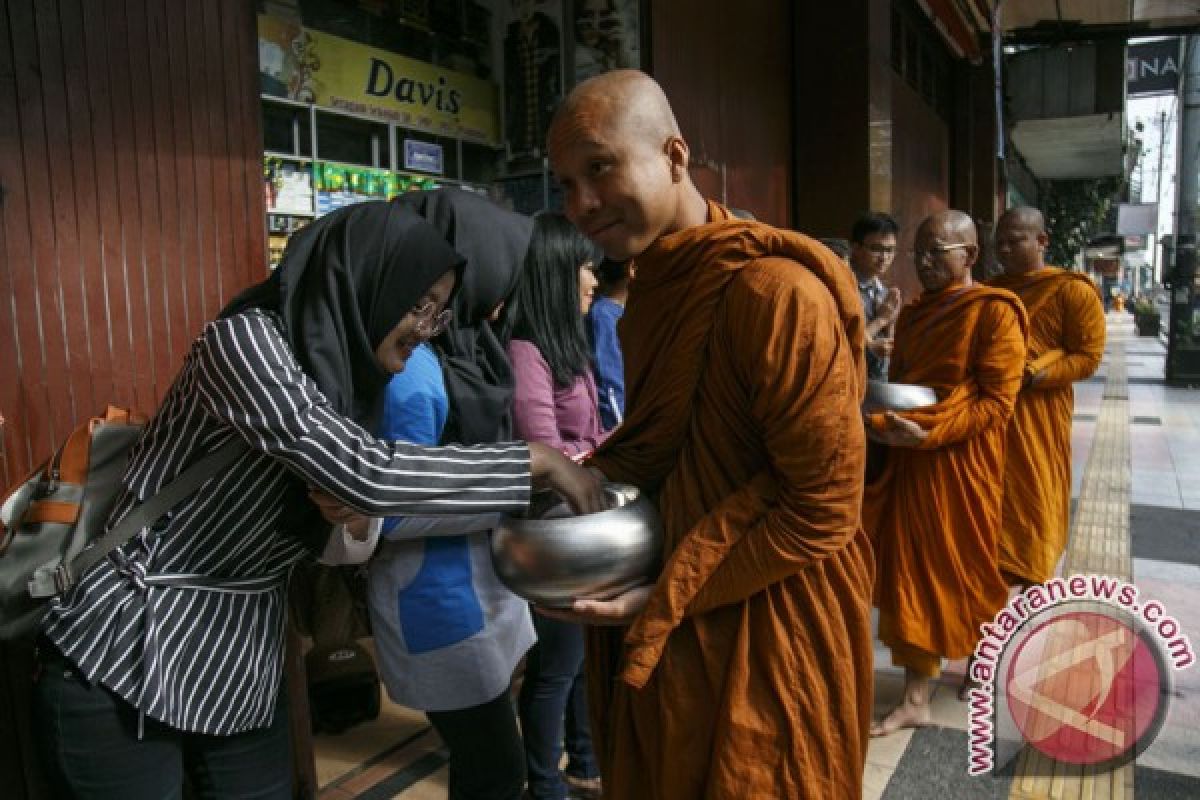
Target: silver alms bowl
{"x": 556, "y": 557}
{"x": 884, "y": 396}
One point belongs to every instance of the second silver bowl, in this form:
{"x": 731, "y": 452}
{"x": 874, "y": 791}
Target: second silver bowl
{"x": 884, "y": 396}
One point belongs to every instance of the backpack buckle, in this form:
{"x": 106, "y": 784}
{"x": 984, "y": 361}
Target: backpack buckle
{"x": 63, "y": 579}
{"x": 47, "y": 581}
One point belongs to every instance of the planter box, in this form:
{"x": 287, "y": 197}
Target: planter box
{"x": 1148, "y": 326}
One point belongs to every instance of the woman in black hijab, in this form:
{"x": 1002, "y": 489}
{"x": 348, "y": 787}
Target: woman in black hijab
{"x": 164, "y": 651}
{"x": 493, "y": 242}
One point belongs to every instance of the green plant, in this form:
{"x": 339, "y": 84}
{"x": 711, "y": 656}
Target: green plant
{"x": 1075, "y": 212}
{"x": 1143, "y": 307}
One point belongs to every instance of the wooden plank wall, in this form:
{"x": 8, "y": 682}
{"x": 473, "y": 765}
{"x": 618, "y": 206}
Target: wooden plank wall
{"x": 734, "y": 106}
{"x": 131, "y": 208}
{"x": 130, "y": 201}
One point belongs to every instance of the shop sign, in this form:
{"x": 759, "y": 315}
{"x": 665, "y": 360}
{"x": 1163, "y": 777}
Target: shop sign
{"x": 1152, "y": 67}
{"x": 1135, "y": 218}
{"x": 314, "y": 67}
{"x": 423, "y": 156}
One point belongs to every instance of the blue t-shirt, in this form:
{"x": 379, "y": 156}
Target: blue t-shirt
{"x": 440, "y": 606}
{"x": 609, "y": 365}
{"x": 416, "y": 406}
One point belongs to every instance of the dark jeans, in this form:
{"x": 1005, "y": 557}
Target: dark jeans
{"x": 88, "y": 741}
{"x": 486, "y": 758}
{"x": 554, "y": 689}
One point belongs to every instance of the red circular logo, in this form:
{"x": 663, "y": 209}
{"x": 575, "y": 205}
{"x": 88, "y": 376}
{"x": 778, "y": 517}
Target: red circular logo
{"x": 1086, "y": 687}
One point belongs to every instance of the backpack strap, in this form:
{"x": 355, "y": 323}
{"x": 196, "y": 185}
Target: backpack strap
{"x": 51, "y": 579}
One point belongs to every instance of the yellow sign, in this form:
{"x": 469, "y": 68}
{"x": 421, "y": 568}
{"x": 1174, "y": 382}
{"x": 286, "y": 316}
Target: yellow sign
{"x": 313, "y": 67}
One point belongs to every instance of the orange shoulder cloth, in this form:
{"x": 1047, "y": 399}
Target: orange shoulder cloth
{"x": 666, "y": 328}
{"x": 1037, "y": 287}
{"x": 925, "y": 325}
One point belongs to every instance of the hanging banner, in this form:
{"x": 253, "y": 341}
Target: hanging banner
{"x": 1135, "y": 218}
{"x": 313, "y": 67}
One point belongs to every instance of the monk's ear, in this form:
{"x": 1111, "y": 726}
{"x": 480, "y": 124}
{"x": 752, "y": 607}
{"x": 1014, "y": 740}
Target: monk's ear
{"x": 678, "y": 155}
{"x": 972, "y": 251}
{"x": 1043, "y": 240}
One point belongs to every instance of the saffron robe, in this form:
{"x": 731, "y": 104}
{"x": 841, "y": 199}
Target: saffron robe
{"x": 934, "y": 513}
{"x": 1066, "y": 329}
{"x": 749, "y": 674}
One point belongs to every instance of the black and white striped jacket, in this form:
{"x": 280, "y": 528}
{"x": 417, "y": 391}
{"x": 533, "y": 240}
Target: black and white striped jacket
{"x": 208, "y": 659}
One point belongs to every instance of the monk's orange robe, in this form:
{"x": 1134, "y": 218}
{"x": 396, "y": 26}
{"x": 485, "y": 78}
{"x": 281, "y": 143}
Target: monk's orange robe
{"x": 749, "y": 673}
{"x": 1066, "y": 329}
{"x": 934, "y": 514}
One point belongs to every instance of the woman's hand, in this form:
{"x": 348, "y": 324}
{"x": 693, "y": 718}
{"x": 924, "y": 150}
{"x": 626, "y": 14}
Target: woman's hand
{"x": 580, "y": 487}
{"x": 333, "y": 510}
{"x": 620, "y": 610}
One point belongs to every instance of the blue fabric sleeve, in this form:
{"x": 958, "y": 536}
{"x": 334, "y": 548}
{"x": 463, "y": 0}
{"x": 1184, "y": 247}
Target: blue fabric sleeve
{"x": 415, "y": 406}
{"x": 609, "y": 364}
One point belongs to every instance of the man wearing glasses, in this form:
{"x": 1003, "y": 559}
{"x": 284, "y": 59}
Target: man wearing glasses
{"x": 872, "y": 251}
{"x": 934, "y": 514}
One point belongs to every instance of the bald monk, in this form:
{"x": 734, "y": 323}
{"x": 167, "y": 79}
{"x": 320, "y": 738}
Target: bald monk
{"x": 1066, "y": 343}
{"x": 934, "y": 513}
{"x": 745, "y": 671}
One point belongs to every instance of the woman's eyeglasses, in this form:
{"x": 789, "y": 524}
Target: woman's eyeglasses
{"x": 429, "y": 324}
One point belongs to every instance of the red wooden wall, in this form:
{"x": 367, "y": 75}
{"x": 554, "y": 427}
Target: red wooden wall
{"x": 131, "y": 208}
{"x": 130, "y": 200}
{"x": 727, "y": 70}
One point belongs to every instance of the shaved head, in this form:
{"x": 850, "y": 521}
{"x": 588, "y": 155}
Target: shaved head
{"x": 1021, "y": 240}
{"x": 1023, "y": 217}
{"x": 952, "y": 226}
{"x": 946, "y": 247}
{"x": 615, "y": 148}
{"x": 625, "y": 100}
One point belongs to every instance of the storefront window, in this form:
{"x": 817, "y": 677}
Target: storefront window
{"x": 352, "y": 141}
{"x": 479, "y": 163}
{"x": 286, "y": 129}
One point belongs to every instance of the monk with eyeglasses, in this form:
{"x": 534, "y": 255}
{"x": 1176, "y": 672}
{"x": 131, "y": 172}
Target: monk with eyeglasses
{"x": 934, "y": 513}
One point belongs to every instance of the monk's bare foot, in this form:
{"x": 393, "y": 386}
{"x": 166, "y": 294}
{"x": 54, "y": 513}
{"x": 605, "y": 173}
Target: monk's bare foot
{"x": 964, "y": 689}
{"x": 906, "y": 715}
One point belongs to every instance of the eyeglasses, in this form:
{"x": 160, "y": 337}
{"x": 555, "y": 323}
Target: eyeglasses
{"x": 430, "y": 325}
{"x": 937, "y": 250}
{"x": 881, "y": 250}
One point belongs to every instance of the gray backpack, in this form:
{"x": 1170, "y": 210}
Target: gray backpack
{"x": 53, "y": 522}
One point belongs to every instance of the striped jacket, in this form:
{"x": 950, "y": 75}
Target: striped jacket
{"x": 207, "y": 658}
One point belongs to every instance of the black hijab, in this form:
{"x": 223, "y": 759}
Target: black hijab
{"x": 344, "y": 283}
{"x": 479, "y": 379}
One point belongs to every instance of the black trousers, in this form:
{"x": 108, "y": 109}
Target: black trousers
{"x": 89, "y": 744}
{"x": 487, "y": 761}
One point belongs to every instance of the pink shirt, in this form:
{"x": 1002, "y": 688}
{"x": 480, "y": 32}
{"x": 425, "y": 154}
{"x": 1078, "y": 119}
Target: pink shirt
{"x": 542, "y": 412}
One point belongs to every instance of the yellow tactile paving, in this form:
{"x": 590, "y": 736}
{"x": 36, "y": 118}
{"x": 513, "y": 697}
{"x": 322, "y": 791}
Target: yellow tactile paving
{"x": 1099, "y": 543}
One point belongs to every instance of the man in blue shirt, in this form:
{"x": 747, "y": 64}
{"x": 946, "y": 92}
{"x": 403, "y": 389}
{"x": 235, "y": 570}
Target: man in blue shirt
{"x": 606, "y": 309}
